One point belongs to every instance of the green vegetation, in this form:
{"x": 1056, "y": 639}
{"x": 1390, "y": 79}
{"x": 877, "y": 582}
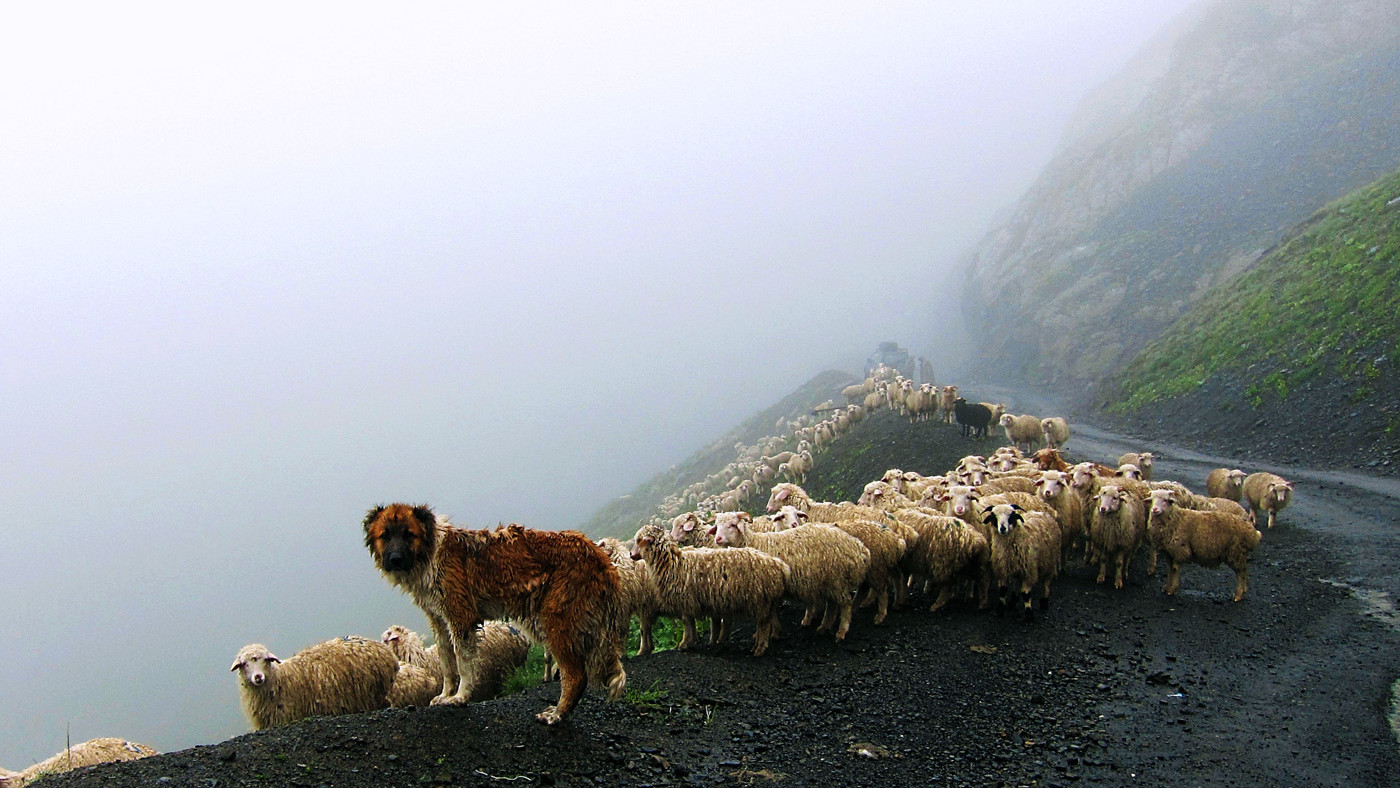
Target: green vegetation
{"x": 1324, "y": 302}
{"x": 665, "y": 635}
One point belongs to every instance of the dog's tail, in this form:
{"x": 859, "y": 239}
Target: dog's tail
{"x": 605, "y": 642}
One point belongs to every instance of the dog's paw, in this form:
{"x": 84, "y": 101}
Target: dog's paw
{"x": 449, "y": 700}
{"x": 549, "y": 716}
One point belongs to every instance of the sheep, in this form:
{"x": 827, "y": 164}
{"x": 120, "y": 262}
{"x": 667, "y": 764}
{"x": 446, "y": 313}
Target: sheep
{"x": 714, "y": 582}
{"x": 1116, "y": 529}
{"x": 1143, "y": 460}
{"x": 408, "y": 646}
{"x": 88, "y": 753}
{"x": 819, "y": 512}
{"x": 1225, "y": 483}
{"x": 1201, "y": 503}
{"x": 1025, "y": 550}
{"x": 688, "y": 530}
{"x": 947, "y": 399}
{"x": 1054, "y": 488}
{"x": 640, "y": 594}
{"x": 827, "y": 566}
{"x": 1055, "y": 430}
{"x": 1205, "y": 538}
{"x": 1266, "y": 492}
{"x": 1129, "y": 471}
{"x": 1003, "y": 484}
{"x": 1021, "y": 429}
{"x": 1049, "y": 460}
{"x": 974, "y": 418}
{"x": 340, "y": 676}
{"x": 886, "y": 549}
{"x": 947, "y": 549}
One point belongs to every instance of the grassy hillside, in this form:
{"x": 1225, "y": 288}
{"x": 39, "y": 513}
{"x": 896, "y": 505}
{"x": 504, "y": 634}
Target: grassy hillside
{"x": 621, "y": 517}
{"x": 1312, "y": 329}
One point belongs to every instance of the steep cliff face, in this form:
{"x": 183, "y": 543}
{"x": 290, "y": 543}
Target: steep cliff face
{"x": 1234, "y": 125}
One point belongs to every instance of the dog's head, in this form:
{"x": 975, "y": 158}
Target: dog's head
{"x": 400, "y": 537}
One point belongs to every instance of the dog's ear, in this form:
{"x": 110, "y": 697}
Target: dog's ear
{"x": 424, "y": 515}
{"x": 372, "y": 515}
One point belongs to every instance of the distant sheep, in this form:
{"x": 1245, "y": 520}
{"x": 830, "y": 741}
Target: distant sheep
{"x": 947, "y": 399}
{"x": 1055, "y": 430}
{"x": 1205, "y": 538}
{"x": 340, "y": 676}
{"x": 1225, "y": 483}
{"x": 88, "y": 753}
{"x": 1143, "y": 460}
{"x": 974, "y": 418}
{"x": 1265, "y": 492}
{"x": 714, "y": 582}
{"x": 827, "y": 566}
{"x": 1021, "y": 430}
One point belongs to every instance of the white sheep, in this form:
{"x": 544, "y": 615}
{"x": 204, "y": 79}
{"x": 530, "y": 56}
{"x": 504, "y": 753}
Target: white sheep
{"x": 641, "y": 597}
{"x": 946, "y": 552}
{"x": 827, "y": 565}
{"x": 1055, "y": 431}
{"x": 1265, "y": 492}
{"x": 1143, "y": 460}
{"x": 947, "y": 400}
{"x": 1116, "y": 529}
{"x": 88, "y": 753}
{"x": 886, "y": 549}
{"x": 1054, "y": 488}
{"x": 1025, "y": 552}
{"x": 1207, "y": 538}
{"x": 340, "y": 676}
{"x": 1225, "y": 483}
{"x": 720, "y": 583}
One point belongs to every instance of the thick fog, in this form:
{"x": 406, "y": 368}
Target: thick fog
{"x": 265, "y": 267}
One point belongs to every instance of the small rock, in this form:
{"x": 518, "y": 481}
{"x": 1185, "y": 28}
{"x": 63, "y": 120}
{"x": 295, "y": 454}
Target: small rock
{"x": 228, "y": 754}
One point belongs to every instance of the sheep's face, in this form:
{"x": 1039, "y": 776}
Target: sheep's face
{"x": 1162, "y": 501}
{"x": 1110, "y": 499}
{"x": 400, "y": 537}
{"x": 1082, "y": 476}
{"x": 254, "y": 665}
{"x": 782, "y": 495}
{"x": 647, "y": 540}
{"x": 1279, "y": 492}
{"x": 1145, "y": 460}
{"x": 1006, "y": 420}
{"x": 875, "y": 494}
{"x": 1003, "y": 463}
{"x": 683, "y": 525}
{"x": 1004, "y": 517}
{"x": 960, "y": 499}
{"x": 974, "y": 476}
{"x": 1129, "y": 471}
{"x": 1051, "y": 484}
{"x": 891, "y": 475}
{"x": 790, "y": 516}
{"x": 729, "y": 532}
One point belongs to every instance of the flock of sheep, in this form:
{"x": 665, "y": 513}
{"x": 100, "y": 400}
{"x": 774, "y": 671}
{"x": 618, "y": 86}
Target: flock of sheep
{"x": 991, "y": 528}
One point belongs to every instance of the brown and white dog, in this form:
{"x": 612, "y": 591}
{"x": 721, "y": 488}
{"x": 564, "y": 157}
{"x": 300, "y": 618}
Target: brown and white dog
{"x": 558, "y": 586}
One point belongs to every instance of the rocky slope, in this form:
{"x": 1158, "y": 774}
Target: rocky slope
{"x": 1240, "y": 122}
{"x": 1295, "y": 360}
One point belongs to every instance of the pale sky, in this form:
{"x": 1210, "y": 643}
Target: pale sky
{"x": 268, "y": 266}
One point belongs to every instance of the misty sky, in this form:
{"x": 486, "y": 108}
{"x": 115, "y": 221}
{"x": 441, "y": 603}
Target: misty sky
{"x": 265, "y": 267}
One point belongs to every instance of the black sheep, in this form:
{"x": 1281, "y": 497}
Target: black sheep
{"x": 975, "y": 417}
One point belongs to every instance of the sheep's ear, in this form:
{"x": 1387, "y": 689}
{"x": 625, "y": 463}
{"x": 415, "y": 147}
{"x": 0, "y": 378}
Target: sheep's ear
{"x": 689, "y": 525}
{"x": 746, "y": 517}
{"x": 236, "y": 666}
{"x": 711, "y": 529}
{"x": 1016, "y": 518}
{"x": 989, "y": 517}
{"x": 272, "y": 659}
{"x": 801, "y": 515}
{"x": 1016, "y": 508}
{"x": 782, "y": 494}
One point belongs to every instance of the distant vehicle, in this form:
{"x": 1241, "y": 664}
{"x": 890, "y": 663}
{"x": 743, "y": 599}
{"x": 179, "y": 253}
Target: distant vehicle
{"x": 893, "y": 356}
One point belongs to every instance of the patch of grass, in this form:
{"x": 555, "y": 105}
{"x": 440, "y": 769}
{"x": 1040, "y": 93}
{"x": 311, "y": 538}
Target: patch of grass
{"x": 529, "y": 675}
{"x": 650, "y": 697}
{"x": 1299, "y": 314}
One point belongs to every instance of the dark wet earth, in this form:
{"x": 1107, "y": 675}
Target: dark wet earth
{"x": 1292, "y": 686}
